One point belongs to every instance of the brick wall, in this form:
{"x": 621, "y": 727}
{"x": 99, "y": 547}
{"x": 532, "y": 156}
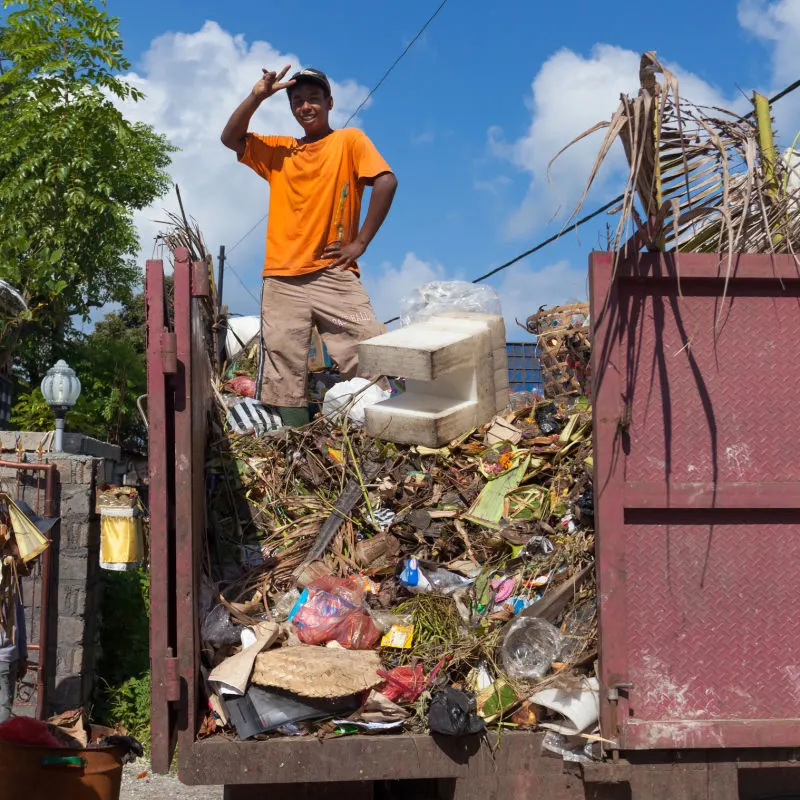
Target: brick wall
{"x": 72, "y": 649}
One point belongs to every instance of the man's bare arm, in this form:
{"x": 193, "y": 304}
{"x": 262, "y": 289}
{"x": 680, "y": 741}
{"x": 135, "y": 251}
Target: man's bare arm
{"x": 383, "y": 188}
{"x": 235, "y": 134}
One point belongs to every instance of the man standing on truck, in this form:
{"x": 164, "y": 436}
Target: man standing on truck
{"x": 314, "y": 239}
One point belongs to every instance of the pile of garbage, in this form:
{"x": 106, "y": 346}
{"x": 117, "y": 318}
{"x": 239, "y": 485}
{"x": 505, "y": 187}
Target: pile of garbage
{"x": 358, "y": 586}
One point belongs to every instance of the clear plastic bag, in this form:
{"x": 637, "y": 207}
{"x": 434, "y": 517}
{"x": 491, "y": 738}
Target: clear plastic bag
{"x": 441, "y": 296}
{"x": 530, "y": 647}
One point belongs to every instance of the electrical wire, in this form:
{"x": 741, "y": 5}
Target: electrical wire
{"x": 399, "y": 58}
{"x": 374, "y": 89}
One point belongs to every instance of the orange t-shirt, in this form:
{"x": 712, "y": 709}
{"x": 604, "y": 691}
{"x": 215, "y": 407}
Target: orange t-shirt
{"x": 315, "y": 194}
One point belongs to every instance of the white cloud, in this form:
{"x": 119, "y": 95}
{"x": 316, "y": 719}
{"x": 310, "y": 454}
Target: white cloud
{"x": 523, "y": 290}
{"x": 387, "y": 285}
{"x": 192, "y": 83}
{"x": 777, "y": 24}
{"x": 570, "y": 94}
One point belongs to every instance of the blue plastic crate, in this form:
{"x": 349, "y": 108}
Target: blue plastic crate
{"x": 524, "y": 371}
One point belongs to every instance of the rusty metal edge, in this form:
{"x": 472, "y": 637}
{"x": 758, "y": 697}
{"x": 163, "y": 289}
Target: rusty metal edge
{"x": 162, "y": 716}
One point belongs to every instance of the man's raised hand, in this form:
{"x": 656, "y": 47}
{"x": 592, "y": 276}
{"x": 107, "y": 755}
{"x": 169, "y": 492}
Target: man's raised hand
{"x": 271, "y": 82}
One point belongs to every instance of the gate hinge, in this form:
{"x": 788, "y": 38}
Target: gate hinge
{"x": 172, "y": 679}
{"x": 169, "y": 353}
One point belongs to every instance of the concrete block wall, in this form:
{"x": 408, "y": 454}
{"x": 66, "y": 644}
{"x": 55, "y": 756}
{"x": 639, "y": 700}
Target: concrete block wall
{"x": 75, "y": 586}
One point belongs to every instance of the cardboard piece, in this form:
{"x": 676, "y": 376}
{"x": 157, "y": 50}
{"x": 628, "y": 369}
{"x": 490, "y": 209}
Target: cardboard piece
{"x": 233, "y": 674}
{"x": 311, "y": 671}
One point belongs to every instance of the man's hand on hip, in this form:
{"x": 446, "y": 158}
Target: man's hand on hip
{"x": 346, "y": 255}
{"x": 271, "y": 83}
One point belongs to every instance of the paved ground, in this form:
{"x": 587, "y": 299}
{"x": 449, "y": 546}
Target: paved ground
{"x": 161, "y": 787}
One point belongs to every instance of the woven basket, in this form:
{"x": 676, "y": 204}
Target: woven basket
{"x": 564, "y": 347}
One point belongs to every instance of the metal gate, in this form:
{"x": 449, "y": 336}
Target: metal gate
{"x": 697, "y": 480}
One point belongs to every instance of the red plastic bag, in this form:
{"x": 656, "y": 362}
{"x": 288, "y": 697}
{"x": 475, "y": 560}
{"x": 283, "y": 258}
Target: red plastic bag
{"x": 332, "y": 612}
{"x": 23, "y": 730}
{"x": 403, "y": 684}
{"x": 241, "y": 385}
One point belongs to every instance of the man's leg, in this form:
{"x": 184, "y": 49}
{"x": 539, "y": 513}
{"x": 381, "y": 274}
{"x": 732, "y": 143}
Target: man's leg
{"x": 8, "y": 687}
{"x": 285, "y": 339}
{"x": 343, "y": 315}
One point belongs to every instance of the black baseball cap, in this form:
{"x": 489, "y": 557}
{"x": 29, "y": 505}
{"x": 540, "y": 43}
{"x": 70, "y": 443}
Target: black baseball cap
{"x": 310, "y": 75}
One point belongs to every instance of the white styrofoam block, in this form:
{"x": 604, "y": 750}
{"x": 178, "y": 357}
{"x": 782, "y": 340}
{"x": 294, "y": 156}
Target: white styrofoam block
{"x": 417, "y": 351}
{"x": 448, "y": 363}
{"x": 495, "y": 322}
{"x": 426, "y": 420}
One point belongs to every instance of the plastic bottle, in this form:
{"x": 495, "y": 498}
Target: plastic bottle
{"x": 530, "y": 648}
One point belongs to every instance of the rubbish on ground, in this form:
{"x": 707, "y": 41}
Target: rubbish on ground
{"x": 233, "y": 674}
{"x": 502, "y": 431}
{"x": 311, "y": 671}
{"x": 441, "y": 296}
{"x": 495, "y": 700}
{"x": 262, "y": 710}
{"x": 402, "y": 684}
{"x": 341, "y": 509}
{"x": 218, "y": 630}
{"x": 330, "y": 610}
{"x": 379, "y": 708}
{"x": 432, "y": 557}
{"x": 399, "y": 636}
{"x": 249, "y": 416}
{"x": 453, "y": 713}
{"x": 579, "y": 752}
{"x": 352, "y": 398}
{"x": 242, "y": 385}
{"x": 241, "y": 331}
{"x": 383, "y": 545}
{"x": 353, "y": 725}
{"x": 579, "y": 704}
{"x": 530, "y": 647}
{"x": 525, "y": 715}
{"x": 451, "y": 385}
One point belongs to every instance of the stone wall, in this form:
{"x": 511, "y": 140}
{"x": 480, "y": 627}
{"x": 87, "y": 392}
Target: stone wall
{"x": 72, "y": 648}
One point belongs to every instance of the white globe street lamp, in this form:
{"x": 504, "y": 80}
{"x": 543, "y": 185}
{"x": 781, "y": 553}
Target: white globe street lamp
{"x": 61, "y": 389}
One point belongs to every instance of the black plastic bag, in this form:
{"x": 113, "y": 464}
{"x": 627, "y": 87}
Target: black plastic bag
{"x": 545, "y": 419}
{"x": 452, "y": 713}
{"x": 219, "y": 630}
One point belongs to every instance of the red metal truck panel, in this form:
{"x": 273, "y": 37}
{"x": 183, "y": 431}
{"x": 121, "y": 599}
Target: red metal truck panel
{"x": 697, "y": 482}
{"x": 161, "y": 367}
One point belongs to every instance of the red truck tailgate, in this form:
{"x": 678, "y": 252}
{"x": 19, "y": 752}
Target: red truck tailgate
{"x": 697, "y": 484}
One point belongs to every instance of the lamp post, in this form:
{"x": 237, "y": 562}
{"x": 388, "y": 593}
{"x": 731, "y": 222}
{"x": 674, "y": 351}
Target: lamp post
{"x": 61, "y": 389}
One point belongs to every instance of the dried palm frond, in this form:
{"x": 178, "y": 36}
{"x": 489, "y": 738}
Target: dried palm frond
{"x": 706, "y": 179}
{"x": 182, "y": 231}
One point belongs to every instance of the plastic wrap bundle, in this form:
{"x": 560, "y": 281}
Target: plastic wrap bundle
{"x": 439, "y": 297}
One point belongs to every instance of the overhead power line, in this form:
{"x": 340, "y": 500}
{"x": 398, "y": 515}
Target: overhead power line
{"x": 399, "y": 58}
{"x": 372, "y": 91}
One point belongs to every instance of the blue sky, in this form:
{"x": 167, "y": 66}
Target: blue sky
{"x": 468, "y": 120}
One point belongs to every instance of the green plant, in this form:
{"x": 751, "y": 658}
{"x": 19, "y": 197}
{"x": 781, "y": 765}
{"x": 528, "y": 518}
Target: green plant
{"x": 123, "y": 690}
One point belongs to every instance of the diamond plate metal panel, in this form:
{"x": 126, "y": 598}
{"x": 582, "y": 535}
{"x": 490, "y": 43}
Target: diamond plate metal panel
{"x": 714, "y": 407}
{"x": 697, "y": 484}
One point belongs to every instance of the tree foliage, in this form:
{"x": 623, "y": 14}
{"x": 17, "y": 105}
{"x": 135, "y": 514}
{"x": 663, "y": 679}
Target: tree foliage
{"x": 72, "y": 168}
{"x": 111, "y": 364}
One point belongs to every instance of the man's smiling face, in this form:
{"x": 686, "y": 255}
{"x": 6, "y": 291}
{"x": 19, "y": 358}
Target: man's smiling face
{"x": 311, "y": 107}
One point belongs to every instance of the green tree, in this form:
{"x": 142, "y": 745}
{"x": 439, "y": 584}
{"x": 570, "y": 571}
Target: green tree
{"x": 111, "y": 365}
{"x": 72, "y": 168}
